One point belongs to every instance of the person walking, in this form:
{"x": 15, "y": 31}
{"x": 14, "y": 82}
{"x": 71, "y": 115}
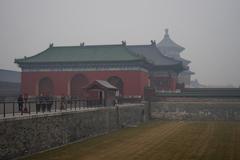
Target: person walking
{"x": 62, "y": 101}
{"x": 49, "y": 102}
{"x": 20, "y": 103}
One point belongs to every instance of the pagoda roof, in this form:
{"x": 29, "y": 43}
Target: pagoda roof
{"x": 91, "y": 53}
{"x": 152, "y": 54}
{"x": 168, "y": 44}
{"x": 185, "y": 61}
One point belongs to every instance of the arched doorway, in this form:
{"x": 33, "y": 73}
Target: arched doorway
{"x": 117, "y": 82}
{"x": 76, "y": 85}
{"x": 45, "y": 86}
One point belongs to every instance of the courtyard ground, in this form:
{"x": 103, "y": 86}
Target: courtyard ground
{"x": 157, "y": 140}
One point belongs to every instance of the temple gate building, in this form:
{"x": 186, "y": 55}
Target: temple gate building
{"x": 171, "y": 49}
{"x": 67, "y": 70}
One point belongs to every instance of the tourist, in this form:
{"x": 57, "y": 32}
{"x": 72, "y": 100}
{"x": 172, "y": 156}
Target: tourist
{"x": 62, "y": 100}
{"x": 38, "y": 103}
{"x": 43, "y": 102}
{"x": 20, "y": 102}
{"x": 115, "y": 102}
{"x": 49, "y": 100}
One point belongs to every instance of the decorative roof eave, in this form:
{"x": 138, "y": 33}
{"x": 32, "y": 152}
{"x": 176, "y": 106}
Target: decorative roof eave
{"x": 55, "y": 66}
{"x": 79, "y": 62}
{"x": 188, "y": 72}
{"x": 185, "y": 61}
{"x": 162, "y": 48}
{"x": 67, "y": 62}
{"x": 21, "y": 61}
{"x": 177, "y": 67}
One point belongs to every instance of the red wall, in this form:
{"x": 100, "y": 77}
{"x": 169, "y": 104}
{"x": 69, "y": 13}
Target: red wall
{"x": 169, "y": 85}
{"x": 134, "y": 81}
{"x": 173, "y": 84}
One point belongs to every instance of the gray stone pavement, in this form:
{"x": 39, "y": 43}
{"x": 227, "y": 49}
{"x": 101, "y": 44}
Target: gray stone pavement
{"x": 20, "y": 115}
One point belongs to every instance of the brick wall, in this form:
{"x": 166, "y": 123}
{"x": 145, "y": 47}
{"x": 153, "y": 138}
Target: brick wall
{"x": 23, "y": 136}
{"x": 199, "y": 110}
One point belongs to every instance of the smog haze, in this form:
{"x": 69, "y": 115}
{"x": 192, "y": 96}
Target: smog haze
{"x": 209, "y": 30}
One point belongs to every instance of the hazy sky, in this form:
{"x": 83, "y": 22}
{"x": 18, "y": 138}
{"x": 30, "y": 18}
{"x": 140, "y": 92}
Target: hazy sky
{"x": 208, "y": 29}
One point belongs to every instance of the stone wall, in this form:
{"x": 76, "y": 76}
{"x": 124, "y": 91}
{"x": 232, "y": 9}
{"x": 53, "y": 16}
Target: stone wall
{"x": 205, "y": 110}
{"x": 23, "y": 136}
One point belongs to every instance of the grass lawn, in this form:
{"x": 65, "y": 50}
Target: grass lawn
{"x": 157, "y": 140}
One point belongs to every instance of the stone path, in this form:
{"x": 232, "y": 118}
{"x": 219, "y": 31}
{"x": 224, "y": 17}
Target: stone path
{"x": 34, "y": 114}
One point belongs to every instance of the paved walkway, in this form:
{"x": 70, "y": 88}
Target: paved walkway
{"x": 18, "y": 115}
{"x": 53, "y": 112}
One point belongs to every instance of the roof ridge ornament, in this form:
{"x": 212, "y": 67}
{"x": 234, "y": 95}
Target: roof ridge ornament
{"x": 50, "y": 45}
{"x": 82, "y": 44}
{"x": 124, "y": 43}
{"x": 153, "y": 42}
{"x": 166, "y": 33}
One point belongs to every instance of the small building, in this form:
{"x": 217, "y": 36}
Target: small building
{"x": 105, "y": 93}
{"x": 66, "y": 70}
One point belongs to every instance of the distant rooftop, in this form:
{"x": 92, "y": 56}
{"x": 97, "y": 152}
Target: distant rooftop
{"x": 167, "y": 44}
{"x": 101, "y": 53}
{"x": 10, "y": 76}
{"x": 91, "y": 53}
{"x": 171, "y": 49}
{"x": 153, "y": 54}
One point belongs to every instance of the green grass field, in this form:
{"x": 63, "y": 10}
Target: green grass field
{"x": 157, "y": 141}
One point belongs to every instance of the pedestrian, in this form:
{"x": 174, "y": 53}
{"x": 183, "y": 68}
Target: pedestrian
{"x": 38, "y": 103}
{"x": 115, "y": 102}
{"x": 62, "y": 101}
{"x": 20, "y": 103}
{"x": 49, "y": 103}
{"x": 25, "y": 110}
{"x": 44, "y": 103}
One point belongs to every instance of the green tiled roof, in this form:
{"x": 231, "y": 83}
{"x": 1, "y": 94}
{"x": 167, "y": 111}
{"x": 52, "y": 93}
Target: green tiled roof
{"x": 97, "y": 53}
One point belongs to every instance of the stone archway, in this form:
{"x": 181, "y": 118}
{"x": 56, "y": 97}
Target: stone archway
{"x": 117, "y": 82}
{"x": 45, "y": 86}
{"x": 76, "y": 85}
